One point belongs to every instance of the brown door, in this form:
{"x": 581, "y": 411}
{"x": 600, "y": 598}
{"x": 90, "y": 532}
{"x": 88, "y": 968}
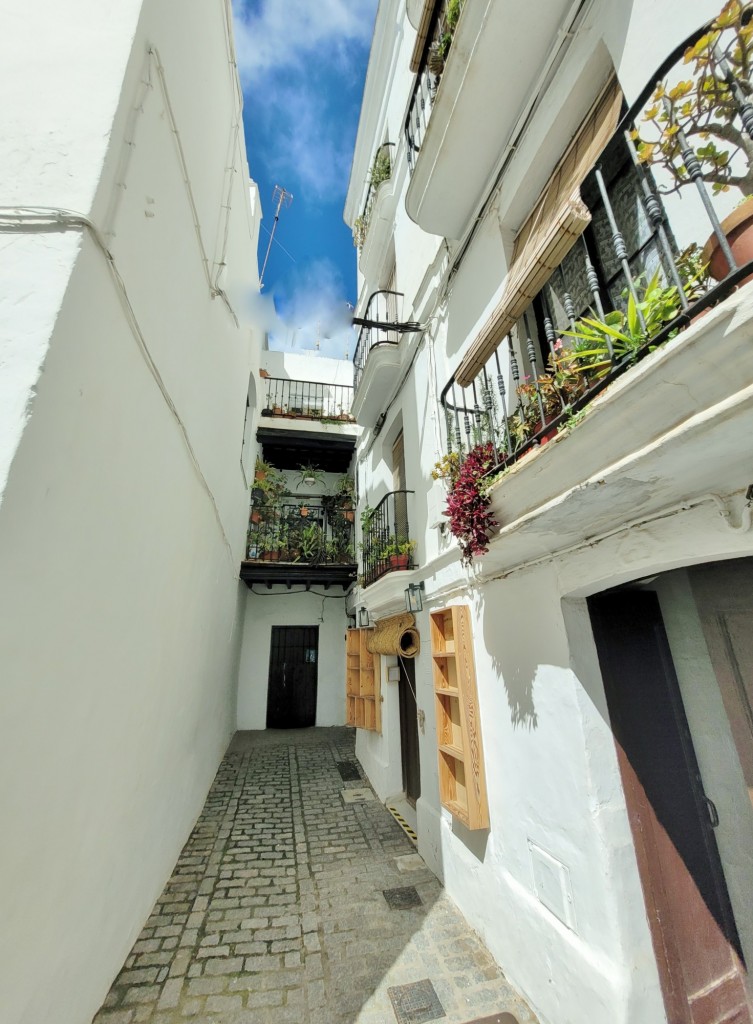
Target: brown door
{"x": 687, "y": 904}
{"x": 724, "y": 597}
{"x": 291, "y": 696}
{"x": 409, "y": 730}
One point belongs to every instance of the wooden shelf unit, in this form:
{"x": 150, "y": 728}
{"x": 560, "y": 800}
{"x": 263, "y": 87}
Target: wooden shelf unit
{"x": 362, "y": 683}
{"x": 462, "y": 783}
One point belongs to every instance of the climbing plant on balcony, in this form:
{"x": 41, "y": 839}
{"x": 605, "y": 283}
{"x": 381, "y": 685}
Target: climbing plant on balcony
{"x": 381, "y": 170}
{"x": 468, "y": 504}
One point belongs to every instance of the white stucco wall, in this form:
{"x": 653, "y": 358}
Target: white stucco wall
{"x": 123, "y": 504}
{"x": 553, "y": 782}
{"x": 281, "y": 607}
{"x": 308, "y": 366}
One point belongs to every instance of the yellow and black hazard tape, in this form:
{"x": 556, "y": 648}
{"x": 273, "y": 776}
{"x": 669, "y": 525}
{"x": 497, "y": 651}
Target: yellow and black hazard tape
{"x": 403, "y": 824}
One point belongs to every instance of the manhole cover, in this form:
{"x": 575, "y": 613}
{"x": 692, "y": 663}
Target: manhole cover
{"x": 356, "y": 796}
{"x": 415, "y": 1003}
{"x": 401, "y": 899}
{"x": 348, "y": 771}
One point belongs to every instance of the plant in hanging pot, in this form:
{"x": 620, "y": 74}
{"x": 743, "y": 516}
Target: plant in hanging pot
{"x": 468, "y": 504}
{"x": 696, "y": 131}
{"x": 310, "y": 474}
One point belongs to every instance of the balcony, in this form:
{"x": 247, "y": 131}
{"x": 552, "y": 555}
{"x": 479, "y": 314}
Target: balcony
{"x": 300, "y": 540}
{"x": 377, "y": 356}
{"x": 630, "y": 333}
{"x": 379, "y": 177}
{"x": 305, "y": 399}
{"x": 492, "y": 64}
{"x": 386, "y": 544}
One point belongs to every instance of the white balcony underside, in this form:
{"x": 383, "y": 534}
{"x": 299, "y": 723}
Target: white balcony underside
{"x": 377, "y": 380}
{"x": 488, "y": 77}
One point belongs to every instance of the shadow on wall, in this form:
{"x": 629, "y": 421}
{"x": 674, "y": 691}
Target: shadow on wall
{"x": 515, "y": 666}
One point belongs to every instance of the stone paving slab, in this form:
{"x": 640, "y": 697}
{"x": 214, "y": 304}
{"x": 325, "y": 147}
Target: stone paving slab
{"x": 275, "y": 912}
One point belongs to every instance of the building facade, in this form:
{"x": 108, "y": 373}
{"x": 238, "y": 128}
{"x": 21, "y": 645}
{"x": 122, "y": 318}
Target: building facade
{"x": 129, "y": 234}
{"x": 575, "y": 731}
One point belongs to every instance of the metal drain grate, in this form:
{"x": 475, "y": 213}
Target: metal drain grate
{"x": 403, "y": 898}
{"x": 416, "y": 1003}
{"x": 348, "y": 771}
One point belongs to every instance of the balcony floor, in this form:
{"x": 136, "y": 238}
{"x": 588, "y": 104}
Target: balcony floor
{"x": 288, "y": 574}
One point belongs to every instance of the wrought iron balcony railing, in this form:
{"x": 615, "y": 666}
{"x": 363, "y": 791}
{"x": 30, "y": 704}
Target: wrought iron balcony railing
{"x": 386, "y": 543}
{"x": 628, "y": 285}
{"x": 316, "y": 531}
{"x": 308, "y": 399}
{"x": 436, "y": 50}
{"x": 382, "y": 310}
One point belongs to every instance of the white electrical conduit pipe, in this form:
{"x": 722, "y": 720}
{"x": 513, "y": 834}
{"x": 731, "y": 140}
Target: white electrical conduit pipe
{"x": 53, "y": 219}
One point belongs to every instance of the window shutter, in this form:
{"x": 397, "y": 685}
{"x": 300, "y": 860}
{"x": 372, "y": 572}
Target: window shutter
{"x": 556, "y": 222}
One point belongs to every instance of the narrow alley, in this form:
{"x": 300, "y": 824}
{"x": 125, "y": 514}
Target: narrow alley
{"x": 299, "y": 898}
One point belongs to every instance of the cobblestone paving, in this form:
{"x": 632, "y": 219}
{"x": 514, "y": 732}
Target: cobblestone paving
{"x": 275, "y": 912}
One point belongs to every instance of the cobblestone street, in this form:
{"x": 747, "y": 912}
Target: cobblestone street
{"x": 276, "y": 911}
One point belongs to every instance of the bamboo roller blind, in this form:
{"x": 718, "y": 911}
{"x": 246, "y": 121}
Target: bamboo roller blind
{"x": 556, "y": 222}
{"x": 421, "y": 34}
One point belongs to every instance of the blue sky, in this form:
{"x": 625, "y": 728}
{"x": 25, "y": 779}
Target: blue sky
{"x": 302, "y": 65}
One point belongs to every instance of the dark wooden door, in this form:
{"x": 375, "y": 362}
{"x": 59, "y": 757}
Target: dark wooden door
{"x": 692, "y": 927}
{"x": 291, "y": 695}
{"x": 409, "y": 730}
{"x": 724, "y": 597}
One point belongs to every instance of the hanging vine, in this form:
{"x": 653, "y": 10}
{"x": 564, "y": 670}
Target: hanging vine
{"x": 468, "y": 503}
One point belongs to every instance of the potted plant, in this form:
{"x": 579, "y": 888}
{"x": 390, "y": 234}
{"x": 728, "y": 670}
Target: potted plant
{"x": 440, "y": 48}
{"x": 310, "y": 474}
{"x": 621, "y": 331}
{"x": 704, "y": 107}
{"x": 268, "y": 490}
{"x": 313, "y": 545}
{"x": 447, "y": 468}
{"x": 344, "y": 497}
{"x": 397, "y": 551}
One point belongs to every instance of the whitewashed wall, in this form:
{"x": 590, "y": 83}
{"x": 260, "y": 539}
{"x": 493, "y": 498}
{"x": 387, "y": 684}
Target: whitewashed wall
{"x": 308, "y": 366}
{"x": 280, "y": 607}
{"x": 123, "y": 509}
{"x": 554, "y": 787}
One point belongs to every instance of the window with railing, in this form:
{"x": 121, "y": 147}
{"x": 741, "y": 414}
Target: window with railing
{"x": 314, "y": 531}
{"x": 386, "y": 543}
{"x": 308, "y": 399}
{"x": 644, "y": 266}
{"x": 383, "y": 308}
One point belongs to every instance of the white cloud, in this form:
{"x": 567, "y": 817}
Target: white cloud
{"x": 275, "y": 35}
{"x": 311, "y": 149}
{"x": 314, "y": 310}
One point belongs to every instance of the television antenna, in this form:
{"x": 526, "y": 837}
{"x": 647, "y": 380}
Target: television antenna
{"x": 282, "y": 197}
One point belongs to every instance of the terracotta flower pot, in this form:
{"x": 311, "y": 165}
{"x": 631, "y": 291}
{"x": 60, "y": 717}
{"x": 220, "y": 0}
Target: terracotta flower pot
{"x": 399, "y": 561}
{"x": 738, "y": 228}
{"x": 549, "y": 434}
